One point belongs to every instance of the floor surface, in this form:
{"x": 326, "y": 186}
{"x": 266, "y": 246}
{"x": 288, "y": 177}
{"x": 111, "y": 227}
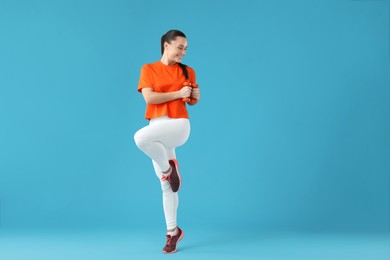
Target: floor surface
{"x": 118, "y": 245}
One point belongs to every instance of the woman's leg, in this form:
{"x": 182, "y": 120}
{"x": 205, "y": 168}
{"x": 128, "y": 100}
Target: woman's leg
{"x": 158, "y": 140}
{"x": 170, "y": 198}
{"x": 161, "y": 135}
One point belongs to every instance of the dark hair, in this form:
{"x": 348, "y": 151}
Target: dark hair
{"x": 171, "y": 36}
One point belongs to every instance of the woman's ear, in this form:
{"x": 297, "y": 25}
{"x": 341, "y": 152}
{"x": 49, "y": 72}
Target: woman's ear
{"x": 166, "y": 45}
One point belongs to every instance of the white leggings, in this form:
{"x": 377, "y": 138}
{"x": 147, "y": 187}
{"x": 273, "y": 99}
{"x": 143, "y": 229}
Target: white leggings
{"x": 158, "y": 140}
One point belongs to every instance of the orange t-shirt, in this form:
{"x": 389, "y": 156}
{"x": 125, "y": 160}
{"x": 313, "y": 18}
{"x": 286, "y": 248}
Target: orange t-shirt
{"x": 165, "y": 78}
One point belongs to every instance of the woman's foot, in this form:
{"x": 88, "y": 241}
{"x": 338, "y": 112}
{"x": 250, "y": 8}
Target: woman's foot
{"x": 172, "y": 241}
{"x": 174, "y": 176}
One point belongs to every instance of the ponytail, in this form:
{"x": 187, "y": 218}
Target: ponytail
{"x": 184, "y": 69}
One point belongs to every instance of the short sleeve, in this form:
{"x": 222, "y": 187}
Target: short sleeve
{"x": 192, "y": 74}
{"x": 145, "y": 79}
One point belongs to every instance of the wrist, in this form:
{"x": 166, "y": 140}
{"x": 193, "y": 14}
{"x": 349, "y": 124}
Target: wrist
{"x": 176, "y": 95}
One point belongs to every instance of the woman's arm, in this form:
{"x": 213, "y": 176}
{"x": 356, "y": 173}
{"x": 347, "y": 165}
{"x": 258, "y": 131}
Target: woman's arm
{"x": 152, "y": 97}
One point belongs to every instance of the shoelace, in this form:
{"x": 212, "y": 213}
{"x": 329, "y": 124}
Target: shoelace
{"x": 169, "y": 240}
{"x": 168, "y": 178}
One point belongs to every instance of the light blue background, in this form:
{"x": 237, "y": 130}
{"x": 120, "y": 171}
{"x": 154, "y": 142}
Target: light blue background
{"x": 292, "y": 132}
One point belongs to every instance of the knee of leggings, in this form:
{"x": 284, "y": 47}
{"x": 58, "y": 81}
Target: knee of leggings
{"x": 139, "y": 141}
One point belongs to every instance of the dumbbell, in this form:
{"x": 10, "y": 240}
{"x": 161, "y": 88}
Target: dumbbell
{"x": 193, "y": 85}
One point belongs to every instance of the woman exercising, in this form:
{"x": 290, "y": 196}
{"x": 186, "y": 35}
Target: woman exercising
{"x": 167, "y": 86}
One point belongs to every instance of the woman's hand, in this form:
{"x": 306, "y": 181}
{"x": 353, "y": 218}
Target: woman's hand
{"x": 185, "y": 92}
{"x": 195, "y": 93}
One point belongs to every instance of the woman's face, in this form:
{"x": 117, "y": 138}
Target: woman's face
{"x": 176, "y": 50}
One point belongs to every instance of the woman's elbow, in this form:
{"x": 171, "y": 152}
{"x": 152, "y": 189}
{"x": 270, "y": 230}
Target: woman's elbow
{"x": 148, "y": 97}
{"x": 149, "y": 100}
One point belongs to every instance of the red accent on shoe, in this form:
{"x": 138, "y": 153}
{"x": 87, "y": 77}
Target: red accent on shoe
{"x": 166, "y": 177}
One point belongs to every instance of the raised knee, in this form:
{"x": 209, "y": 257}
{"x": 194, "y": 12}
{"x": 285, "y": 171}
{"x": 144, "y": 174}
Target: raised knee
{"x": 139, "y": 141}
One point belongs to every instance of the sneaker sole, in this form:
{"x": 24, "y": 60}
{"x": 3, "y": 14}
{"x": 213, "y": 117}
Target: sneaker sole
{"x": 180, "y": 238}
{"x": 178, "y": 172}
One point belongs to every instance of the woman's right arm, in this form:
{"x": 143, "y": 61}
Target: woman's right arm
{"x": 152, "y": 97}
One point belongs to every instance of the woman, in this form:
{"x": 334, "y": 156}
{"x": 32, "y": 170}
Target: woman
{"x": 163, "y": 88}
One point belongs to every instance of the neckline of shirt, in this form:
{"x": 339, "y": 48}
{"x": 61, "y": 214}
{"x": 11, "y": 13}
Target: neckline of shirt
{"x": 169, "y": 66}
